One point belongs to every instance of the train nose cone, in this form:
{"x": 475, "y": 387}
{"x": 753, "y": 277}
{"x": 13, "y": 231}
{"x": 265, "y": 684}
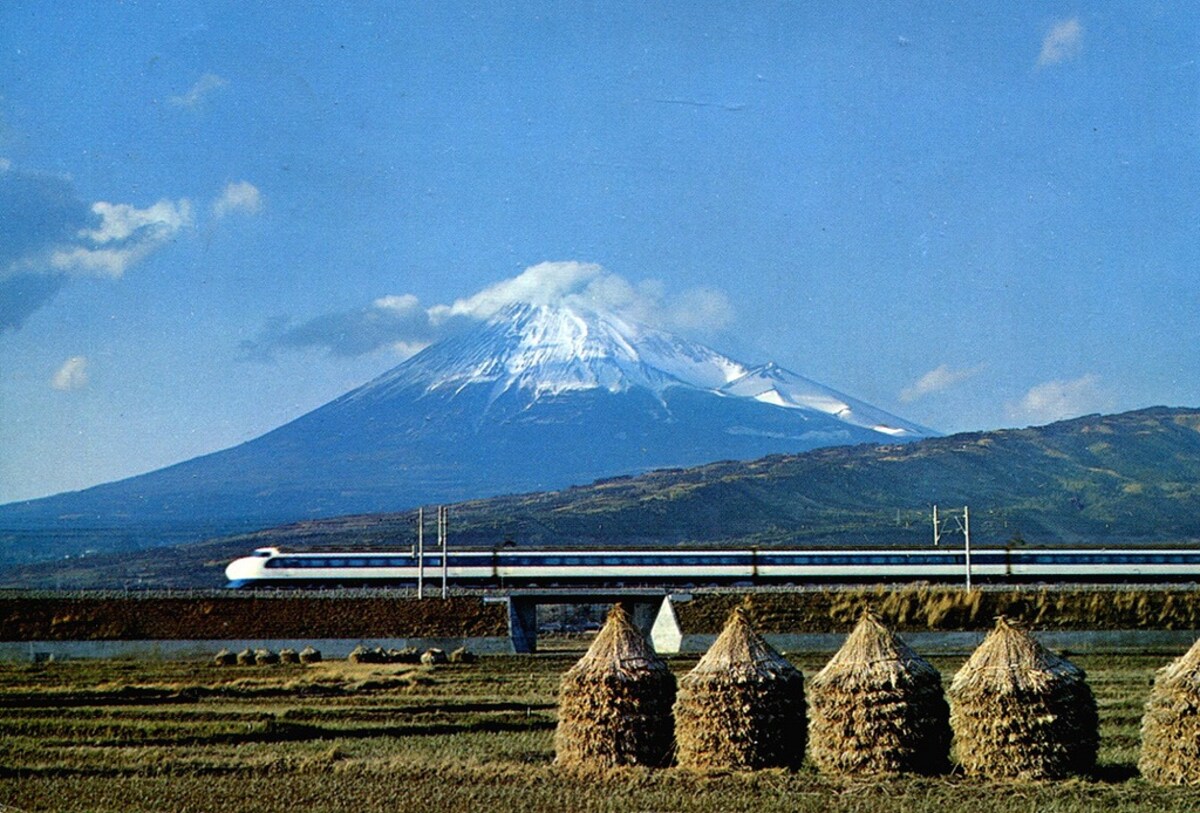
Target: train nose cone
{"x": 240, "y": 570}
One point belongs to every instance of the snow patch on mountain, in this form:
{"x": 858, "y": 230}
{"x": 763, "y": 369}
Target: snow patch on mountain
{"x": 772, "y": 384}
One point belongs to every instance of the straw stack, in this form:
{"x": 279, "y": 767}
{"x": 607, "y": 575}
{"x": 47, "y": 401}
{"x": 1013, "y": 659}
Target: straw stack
{"x": 742, "y": 707}
{"x": 1171, "y": 725}
{"x": 614, "y": 705}
{"x": 1021, "y": 712}
{"x": 877, "y": 708}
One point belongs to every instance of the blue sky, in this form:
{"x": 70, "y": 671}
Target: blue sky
{"x": 215, "y": 216}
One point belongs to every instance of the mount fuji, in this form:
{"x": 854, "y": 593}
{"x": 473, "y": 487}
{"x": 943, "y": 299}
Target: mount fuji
{"x": 538, "y": 397}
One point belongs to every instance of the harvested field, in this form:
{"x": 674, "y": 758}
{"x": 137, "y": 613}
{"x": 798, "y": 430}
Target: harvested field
{"x": 143, "y": 736}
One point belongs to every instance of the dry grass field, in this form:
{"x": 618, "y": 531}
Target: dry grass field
{"x": 162, "y": 736}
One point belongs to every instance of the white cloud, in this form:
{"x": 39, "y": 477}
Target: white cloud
{"x": 120, "y": 221}
{"x": 1056, "y": 400}
{"x": 124, "y": 236}
{"x": 936, "y": 380}
{"x": 1063, "y": 42}
{"x": 72, "y": 375}
{"x": 542, "y": 284}
{"x": 402, "y": 323}
{"x": 48, "y": 236}
{"x": 204, "y": 86}
{"x": 700, "y": 309}
{"x": 239, "y": 196}
{"x": 5, "y": 165}
{"x": 589, "y": 286}
{"x": 402, "y": 304}
{"x": 406, "y": 350}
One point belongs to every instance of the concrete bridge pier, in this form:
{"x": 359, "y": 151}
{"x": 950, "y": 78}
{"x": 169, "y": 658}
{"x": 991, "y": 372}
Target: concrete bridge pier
{"x": 522, "y": 625}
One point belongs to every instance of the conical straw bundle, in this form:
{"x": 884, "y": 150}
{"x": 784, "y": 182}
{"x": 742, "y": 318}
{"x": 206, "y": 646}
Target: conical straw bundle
{"x": 877, "y": 708}
{"x": 1171, "y": 725}
{"x": 741, "y": 707}
{"x": 1020, "y": 712}
{"x": 614, "y": 705}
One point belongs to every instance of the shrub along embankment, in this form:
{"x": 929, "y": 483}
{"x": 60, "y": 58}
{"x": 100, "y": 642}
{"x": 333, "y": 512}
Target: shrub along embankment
{"x": 126, "y": 618}
{"x": 949, "y": 609}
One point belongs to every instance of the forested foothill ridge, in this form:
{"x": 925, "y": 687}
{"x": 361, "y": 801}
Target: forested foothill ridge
{"x": 1113, "y": 480}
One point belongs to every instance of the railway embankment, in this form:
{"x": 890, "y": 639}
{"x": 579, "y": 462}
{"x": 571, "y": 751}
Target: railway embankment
{"x": 46, "y": 615}
{"x": 948, "y": 609}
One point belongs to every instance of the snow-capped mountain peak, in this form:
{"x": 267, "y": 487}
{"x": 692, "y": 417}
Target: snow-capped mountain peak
{"x": 541, "y": 351}
{"x": 548, "y": 350}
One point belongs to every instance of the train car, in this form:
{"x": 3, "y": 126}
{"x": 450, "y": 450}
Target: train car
{"x": 271, "y": 567}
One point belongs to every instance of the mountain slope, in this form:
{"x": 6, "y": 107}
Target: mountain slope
{"x": 1122, "y": 479}
{"x": 1117, "y": 479}
{"x": 537, "y": 398}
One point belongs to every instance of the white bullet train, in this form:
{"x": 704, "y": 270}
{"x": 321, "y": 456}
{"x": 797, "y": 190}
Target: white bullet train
{"x": 509, "y": 567}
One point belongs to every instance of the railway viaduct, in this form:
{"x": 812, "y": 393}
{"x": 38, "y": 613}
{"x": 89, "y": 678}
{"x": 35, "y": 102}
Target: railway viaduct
{"x": 650, "y": 609}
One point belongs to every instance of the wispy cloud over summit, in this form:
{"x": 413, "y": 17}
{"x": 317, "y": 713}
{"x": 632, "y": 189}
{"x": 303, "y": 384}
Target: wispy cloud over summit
{"x": 403, "y": 324}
